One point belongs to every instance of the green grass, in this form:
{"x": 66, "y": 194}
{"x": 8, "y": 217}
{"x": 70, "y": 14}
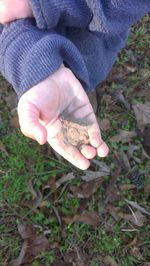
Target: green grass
{"x": 26, "y": 161}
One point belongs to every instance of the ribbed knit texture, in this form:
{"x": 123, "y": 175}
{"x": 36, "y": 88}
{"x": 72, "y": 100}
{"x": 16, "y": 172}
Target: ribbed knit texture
{"x": 84, "y": 34}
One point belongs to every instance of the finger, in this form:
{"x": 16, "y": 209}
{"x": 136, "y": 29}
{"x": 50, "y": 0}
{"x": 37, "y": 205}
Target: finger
{"x": 97, "y": 141}
{"x": 69, "y": 152}
{"x": 88, "y": 151}
{"x": 103, "y": 150}
{"x": 29, "y": 123}
{"x": 94, "y": 135}
{"x": 3, "y": 12}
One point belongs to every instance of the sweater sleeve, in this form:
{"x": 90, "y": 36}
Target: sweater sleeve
{"x": 107, "y": 34}
{"x": 28, "y": 55}
{"x": 115, "y": 16}
{"x": 52, "y": 13}
{"x": 104, "y": 16}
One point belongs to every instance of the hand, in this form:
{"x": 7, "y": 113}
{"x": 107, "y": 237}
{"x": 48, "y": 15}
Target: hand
{"x": 41, "y": 107}
{"x": 14, "y": 9}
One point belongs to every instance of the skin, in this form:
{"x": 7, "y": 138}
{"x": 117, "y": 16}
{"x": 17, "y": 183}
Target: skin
{"x": 14, "y": 9}
{"x": 41, "y": 107}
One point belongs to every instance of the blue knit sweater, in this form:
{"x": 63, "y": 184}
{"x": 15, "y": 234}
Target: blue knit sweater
{"x": 85, "y": 35}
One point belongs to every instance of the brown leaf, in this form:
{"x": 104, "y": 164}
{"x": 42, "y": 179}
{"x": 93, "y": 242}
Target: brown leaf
{"x": 142, "y": 113}
{"x": 32, "y": 189}
{"x": 143, "y": 93}
{"x": 76, "y": 257}
{"x": 110, "y": 261}
{"x": 64, "y": 179}
{"x": 123, "y": 161}
{"x": 137, "y": 206}
{"x": 136, "y": 218}
{"x": 15, "y": 122}
{"x": 132, "y": 243}
{"x": 120, "y": 98}
{"x": 85, "y": 190}
{"x": 33, "y": 245}
{"x": 91, "y": 175}
{"x": 110, "y": 195}
{"x": 131, "y": 150}
{"x": 105, "y": 124}
{"x": 127, "y": 187}
{"x": 124, "y": 136}
{"x": 113, "y": 211}
{"x": 135, "y": 251}
{"x": 131, "y": 68}
{"x": 90, "y": 218}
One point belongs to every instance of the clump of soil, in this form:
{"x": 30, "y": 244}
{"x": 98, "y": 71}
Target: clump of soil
{"x": 74, "y": 133}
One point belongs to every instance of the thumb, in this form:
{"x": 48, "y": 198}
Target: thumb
{"x": 30, "y": 123}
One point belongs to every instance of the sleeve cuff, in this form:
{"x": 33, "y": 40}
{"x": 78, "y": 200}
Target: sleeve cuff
{"x": 29, "y": 55}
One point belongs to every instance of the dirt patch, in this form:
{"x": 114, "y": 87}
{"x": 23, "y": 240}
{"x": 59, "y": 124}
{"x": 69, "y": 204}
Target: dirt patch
{"x": 74, "y": 133}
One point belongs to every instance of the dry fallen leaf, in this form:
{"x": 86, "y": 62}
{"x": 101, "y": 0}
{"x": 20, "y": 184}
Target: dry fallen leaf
{"x": 91, "y": 175}
{"x": 76, "y": 257}
{"x": 86, "y": 189}
{"x": 105, "y": 124}
{"x": 121, "y": 99}
{"x": 110, "y": 261}
{"x": 135, "y": 251}
{"x": 136, "y": 218}
{"x": 33, "y": 245}
{"x": 142, "y": 93}
{"x": 90, "y": 218}
{"x": 64, "y": 179}
{"x": 111, "y": 189}
{"x": 132, "y": 243}
{"x": 124, "y": 187}
{"x": 131, "y": 149}
{"x": 137, "y": 206}
{"x": 123, "y": 161}
{"x": 142, "y": 113}
{"x": 15, "y": 121}
{"x": 124, "y": 136}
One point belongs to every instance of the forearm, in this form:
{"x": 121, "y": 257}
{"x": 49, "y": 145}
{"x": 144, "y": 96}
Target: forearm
{"x": 29, "y": 55}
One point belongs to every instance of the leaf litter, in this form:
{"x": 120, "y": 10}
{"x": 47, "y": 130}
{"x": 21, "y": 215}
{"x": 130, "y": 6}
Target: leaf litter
{"x": 32, "y": 246}
{"x": 90, "y": 182}
{"x": 142, "y": 113}
{"x": 87, "y": 217}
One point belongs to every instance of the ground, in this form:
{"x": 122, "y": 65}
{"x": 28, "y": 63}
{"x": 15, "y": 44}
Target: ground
{"x": 59, "y": 215}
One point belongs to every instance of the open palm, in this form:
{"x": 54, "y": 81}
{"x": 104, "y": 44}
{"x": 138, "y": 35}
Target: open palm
{"x": 40, "y": 110}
